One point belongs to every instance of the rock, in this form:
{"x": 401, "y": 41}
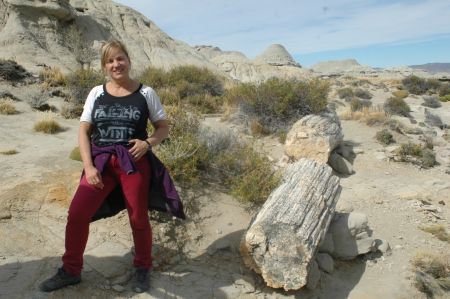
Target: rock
{"x": 351, "y": 235}
{"x": 276, "y": 55}
{"x": 314, "y": 137}
{"x": 344, "y": 206}
{"x": 383, "y": 246}
{"x": 325, "y": 262}
{"x": 340, "y": 164}
{"x": 313, "y": 276}
{"x": 282, "y": 238}
{"x": 118, "y": 288}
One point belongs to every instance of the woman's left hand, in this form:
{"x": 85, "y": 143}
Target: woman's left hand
{"x": 139, "y": 148}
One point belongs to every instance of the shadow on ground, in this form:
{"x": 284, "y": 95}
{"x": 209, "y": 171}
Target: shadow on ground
{"x": 217, "y": 273}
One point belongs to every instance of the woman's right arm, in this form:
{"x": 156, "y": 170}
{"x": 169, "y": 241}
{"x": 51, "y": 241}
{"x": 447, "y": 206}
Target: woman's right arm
{"x": 93, "y": 176}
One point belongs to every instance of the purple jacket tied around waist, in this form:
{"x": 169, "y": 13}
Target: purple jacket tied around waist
{"x": 162, "y": 194}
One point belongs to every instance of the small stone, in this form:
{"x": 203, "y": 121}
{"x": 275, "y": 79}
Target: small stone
{"x": 397, "y": 247}
{"x": 441, "y": 202}
{"x": 118, "y": 288}
{"x": 383, "y": 246}
{"x": 325, "y": 262}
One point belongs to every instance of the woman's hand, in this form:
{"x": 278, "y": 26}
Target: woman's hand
{"x": 93, "y": 177}
{"x": 139, "y": 148}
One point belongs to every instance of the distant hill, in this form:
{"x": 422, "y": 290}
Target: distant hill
{"x": 433, "y": 68}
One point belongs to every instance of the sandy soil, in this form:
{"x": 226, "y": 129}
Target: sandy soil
{"x": 198, "y": 258}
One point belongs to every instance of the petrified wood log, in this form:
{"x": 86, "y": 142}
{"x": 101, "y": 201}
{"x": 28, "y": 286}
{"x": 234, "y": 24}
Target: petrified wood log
{"x": 282, "y": 239}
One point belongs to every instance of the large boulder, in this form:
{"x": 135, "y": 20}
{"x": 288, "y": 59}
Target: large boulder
{"x": 281, "y": 241}
{"x": 314, "y": 137}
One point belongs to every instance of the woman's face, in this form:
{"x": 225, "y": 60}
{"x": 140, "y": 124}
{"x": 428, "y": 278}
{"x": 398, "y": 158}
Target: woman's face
{"x": 117, "y": 65}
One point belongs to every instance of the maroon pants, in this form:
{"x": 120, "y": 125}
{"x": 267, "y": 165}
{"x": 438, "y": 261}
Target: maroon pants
{"x": 88, "y": 199}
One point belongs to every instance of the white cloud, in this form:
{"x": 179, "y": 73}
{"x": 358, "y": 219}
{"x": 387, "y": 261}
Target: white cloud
{"x": 301, "y": 26}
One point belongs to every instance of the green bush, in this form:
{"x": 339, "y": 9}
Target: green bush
{"x": 415, "y": 153}
{"x": 346, "y": 93}
{"x": 195, "y": 156}
{"x": 357, "y": 104}
{"x": 445, "y": 98}
{"x": 154, "y": 77}
{"x": 431, "y": 102}
{"x": 278, "y": 103}
{"x": 363, "y": 94}
{"x": 444, "y": 89}
{"x": 75, "y": 154}
{"x": 189, "y": 85}
{"x": 397, "y": 106}
{"x": 417, "y": 85}
{"x": 80, "y": 82}
{"x": 384, "y": 136}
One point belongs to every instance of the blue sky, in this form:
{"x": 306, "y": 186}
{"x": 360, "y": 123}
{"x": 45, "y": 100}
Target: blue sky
{"x": 377, "y": 33}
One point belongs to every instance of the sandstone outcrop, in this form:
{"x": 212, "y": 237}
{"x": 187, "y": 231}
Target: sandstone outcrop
{"x": 281, "y": 241}
{"x": 314, "y": 137}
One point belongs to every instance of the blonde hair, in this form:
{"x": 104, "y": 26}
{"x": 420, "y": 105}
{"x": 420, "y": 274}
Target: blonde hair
{"x": 108, "y": 46}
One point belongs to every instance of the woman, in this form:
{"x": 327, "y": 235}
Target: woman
{"x": 113, "y": 144}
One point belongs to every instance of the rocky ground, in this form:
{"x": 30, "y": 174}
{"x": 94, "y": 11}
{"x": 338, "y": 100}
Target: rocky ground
{"x": 199, "y": 258}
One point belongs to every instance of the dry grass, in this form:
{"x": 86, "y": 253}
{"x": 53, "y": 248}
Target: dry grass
{"x": 7, "y": 106}
{"x": 371, "y": 116}
{"x": 9, "y": 152}
{"x": 47, "y": 124}
{"x": 437, "y": 230}
{"x": 75, "y": 154}
{"x": 52, "y": 77}
{"x": 432, "y": 273}
{"x": 256, "y": 128}
{"x": 400, "y": 94}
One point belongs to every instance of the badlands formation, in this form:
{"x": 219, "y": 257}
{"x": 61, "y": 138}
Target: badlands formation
{"x": 381, "y": 207}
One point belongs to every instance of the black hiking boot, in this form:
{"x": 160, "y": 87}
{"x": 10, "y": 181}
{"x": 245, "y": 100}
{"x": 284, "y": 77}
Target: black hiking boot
{"x": 140, "y": 282}
{"x": 60, "y": 280}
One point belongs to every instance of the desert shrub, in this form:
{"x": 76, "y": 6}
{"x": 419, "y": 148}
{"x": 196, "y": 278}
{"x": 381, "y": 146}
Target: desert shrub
{"x": 432, "y": 273}
{"x": 10, "y": 70}
{"x": 431, "y": 102}
{"x": 190, "y": 85}
{"x": 433, "y": 120}
{"x": 169, "y": 96}
{"x": 9, "y": 152}
{"x": 154, "y": 77}
{"x": 195, "y": 155}
{"x": 278, "y": 103}
{"x": 38, "y": 100}
{"x": 357, "y": 104}
{"x": 71, "y": 110}
{"x": 346, "y": 93}
{"x": 428, "y": 158}
{"x": 246, "y": 174}
{"x": 282, "y": 135}
{"x": 182, "y": 153}
{"x": 437, "y": 230}
{"x": 80, "y": 82}
{"x": 396, "y": 106}
{"x": 400, "y": 94}
{"x": 47, "y": 124}
{"x": 256, "y": 129}
{"x": 7, "y": 106}
{"x": 444, "y": 89}
{"x": 195, "y": 80}
{"x": 363, "y": 94}
{"x": 416, "y": 154}
{"x": 52, "y": 76}
{"x": 75, "y": 154}
{"x": 204, "y": 103}
{"x": 417, "y": 85}
{"x": 384, "y": 136}
{"x": 445, "y": 98}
